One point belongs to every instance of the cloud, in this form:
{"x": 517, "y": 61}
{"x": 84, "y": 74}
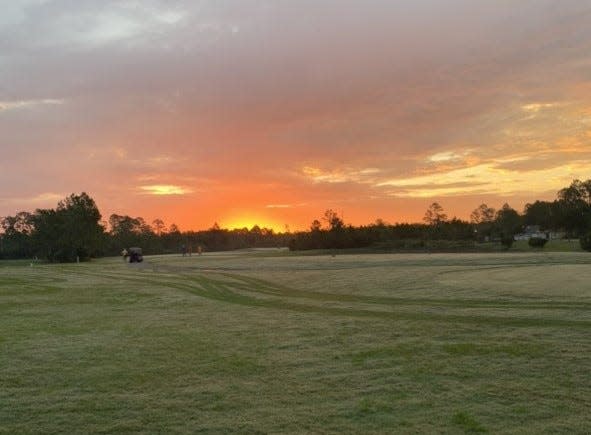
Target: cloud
{"x": 44, "y": 199}
{"x": 84, "y": 25}
{"x": 282, "y": 206}
{"x": 339, "y": 175}
{"x": 446, "y": 156}
{"x": 536, "y": 107}
{"x": 23, "y": 104}
{"x": 486, "y": 178}
{"x": 165, "y": 189}
{"x": 265, "y": 103}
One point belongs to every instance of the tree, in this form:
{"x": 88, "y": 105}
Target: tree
{"x": 577, "y": 191}
{"x": 15, "y": 235}
{"x": 587, "y": 189}
{"x": 315, "y": 226}
{"x": 124, "y": 225}
{"x": 144, "y": 227}
{"x": 542, "y": 213}
{"x": 482, "y": 214}
{"x": 434, "y": 215}
{"x": 482, "y": 218}
{"x": 49, "y": 226}
{"x": 507, "y": 224}
{"x": 127, "y": 231}
{"x": 333, "y": 220}
{"x": 379, "y": 222}
{"x": 70, "y": 232}
{"x": 574, "y": 207}
{"x": 159, "y": 226}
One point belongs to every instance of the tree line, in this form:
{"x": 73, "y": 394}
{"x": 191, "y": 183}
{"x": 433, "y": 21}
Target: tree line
{"x": 75, "y": 231}
{"x": 568, "y": 216}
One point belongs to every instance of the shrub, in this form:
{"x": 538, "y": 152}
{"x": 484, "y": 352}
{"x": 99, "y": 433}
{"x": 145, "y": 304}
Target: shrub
{"x": 507, "y": 241}
{"x": 537, "y": 242}
{"x": 585, "y": 242}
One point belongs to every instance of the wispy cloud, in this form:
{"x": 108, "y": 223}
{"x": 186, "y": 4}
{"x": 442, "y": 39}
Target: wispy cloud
{"x": 165, "y": 189}
{"x": 22, "y": 104}
{"x": 301, "y": 204}
{"x": 536, "y": 107}
{"x": 365, "y": 175}
{"x": 492, "y": 178}
{"x": 446, "y": 156}
{"x": 98, "y": 24}
{"x": 37, "y": 200}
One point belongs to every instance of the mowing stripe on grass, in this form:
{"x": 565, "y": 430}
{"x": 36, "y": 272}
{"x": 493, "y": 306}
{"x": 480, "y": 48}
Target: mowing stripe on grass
{"x": 224, "y": 287}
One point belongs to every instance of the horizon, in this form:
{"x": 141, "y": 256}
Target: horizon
{"x": 286, "y": 228}
{"x": 269, "y": 113}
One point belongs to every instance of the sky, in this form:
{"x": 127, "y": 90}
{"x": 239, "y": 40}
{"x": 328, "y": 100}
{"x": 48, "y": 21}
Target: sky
{"x": 270, "y": 112}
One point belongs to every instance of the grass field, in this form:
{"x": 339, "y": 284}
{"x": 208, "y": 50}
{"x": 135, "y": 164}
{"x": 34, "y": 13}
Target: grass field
{"x": 269, "y": 342}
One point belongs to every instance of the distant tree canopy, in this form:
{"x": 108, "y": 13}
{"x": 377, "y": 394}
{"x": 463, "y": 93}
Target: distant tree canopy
{"x": 434, "y": 215}
{"x": 482, "y": 215}
{"x": 333, "y": 220}
{"x": 578, "y": 191}
{"x": 74, "y": 231}
{"x": 570, "y": 212}
{"x": 483, "y": 219}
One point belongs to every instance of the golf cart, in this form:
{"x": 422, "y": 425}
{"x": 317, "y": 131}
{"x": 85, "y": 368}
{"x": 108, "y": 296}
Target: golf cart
{"x": 135, "y": 255}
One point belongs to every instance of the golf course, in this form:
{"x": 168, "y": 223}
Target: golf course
{"x": 270, "y": 341}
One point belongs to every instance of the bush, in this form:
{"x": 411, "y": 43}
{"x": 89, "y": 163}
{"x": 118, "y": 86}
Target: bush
{"x": 507, "y": 241}
{"x": 585, "y": 242}
{"x": 537, "y": 242}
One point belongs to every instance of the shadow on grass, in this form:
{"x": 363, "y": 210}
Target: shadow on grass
{"x": 467, "y": 423}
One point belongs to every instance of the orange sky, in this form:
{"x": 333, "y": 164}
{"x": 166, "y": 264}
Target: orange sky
{"x": 272, "y": 112}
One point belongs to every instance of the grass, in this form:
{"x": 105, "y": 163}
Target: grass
{"x": 467, "y": 423}
{"x": 557, "y": 245}
{"x": 251, "y": 342}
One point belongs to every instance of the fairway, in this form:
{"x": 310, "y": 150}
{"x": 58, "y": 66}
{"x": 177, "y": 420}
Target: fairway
{"x": 271, "y": 342}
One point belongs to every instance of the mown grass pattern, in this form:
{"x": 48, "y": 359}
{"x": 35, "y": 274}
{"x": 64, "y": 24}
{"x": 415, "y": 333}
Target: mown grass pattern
{"x": 241, "y": 343}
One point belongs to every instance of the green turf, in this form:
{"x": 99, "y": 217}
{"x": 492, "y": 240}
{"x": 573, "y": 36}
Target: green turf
{"x": 264, "y": 342}
{"x": 558, "y": 245}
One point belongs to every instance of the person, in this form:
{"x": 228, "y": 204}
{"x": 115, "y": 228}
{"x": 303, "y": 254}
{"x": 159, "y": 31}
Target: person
{"x": 124, "y": 254}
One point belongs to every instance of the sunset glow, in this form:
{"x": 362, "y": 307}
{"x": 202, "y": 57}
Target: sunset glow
{"x": 269, "y": 113}
{"x": 166, "y": 189}
{"x": 251, "y": 222}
